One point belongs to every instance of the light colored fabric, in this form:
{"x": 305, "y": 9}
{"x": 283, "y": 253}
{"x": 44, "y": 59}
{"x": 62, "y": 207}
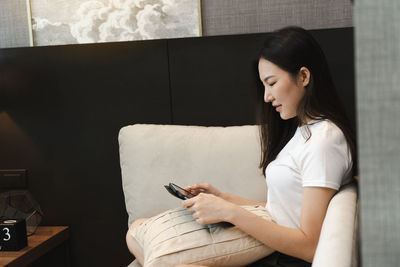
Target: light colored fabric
{"x": 135, "y": 263}
{"x": 337, "y": 233}
{"x": 154, "y": 155}
{"x": 174, "y": 237}
{"x": 151, "y": 154}
{"x": 324, "y": 160}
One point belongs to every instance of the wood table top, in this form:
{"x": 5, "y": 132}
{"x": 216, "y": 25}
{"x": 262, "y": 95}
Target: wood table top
{"x": 44, "y": 239}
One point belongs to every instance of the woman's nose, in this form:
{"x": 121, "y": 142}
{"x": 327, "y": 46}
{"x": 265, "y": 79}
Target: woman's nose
{"x": 267, "y": 96}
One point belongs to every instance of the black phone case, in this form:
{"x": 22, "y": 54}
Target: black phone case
{"x": 173, "y": 193}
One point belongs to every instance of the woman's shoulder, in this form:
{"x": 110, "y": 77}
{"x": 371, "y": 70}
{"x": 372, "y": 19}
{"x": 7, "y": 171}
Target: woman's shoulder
{"x": 324, "y": 132}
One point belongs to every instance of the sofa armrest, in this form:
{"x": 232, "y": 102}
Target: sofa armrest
{"x": 336, "y": 242}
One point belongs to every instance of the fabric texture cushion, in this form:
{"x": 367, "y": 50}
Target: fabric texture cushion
{"x": 154, "y": 155}
{"x": 174, "y": 237}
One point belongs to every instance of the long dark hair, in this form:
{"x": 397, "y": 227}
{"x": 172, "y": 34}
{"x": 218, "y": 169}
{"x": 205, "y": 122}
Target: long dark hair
{"x": 291, "y": 48}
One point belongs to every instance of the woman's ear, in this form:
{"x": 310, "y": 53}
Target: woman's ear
{"x": 304, "y": 76}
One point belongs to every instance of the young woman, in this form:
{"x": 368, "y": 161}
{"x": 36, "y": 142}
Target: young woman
{"x": 308, "y": 152}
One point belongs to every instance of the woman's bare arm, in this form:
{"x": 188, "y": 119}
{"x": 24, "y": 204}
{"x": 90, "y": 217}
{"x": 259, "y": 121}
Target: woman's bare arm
{"x": 207, "y": 188}
{"x": 240, "y": 200}
{"x": 300, "y": 243}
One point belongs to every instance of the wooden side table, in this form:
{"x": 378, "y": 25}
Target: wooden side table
{"x": 45, "y": 239}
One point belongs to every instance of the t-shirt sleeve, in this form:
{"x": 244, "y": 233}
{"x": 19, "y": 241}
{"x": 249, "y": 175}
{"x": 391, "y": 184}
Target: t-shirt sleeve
{"x": 325, "y": 160}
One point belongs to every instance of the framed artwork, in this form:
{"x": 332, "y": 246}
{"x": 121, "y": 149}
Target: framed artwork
{"x": 59, "y": 22}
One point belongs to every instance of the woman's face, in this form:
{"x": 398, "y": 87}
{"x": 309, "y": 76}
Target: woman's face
{"x": 281, "y": 89}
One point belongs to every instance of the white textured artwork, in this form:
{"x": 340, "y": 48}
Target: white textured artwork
{"x": 56, "y": 22}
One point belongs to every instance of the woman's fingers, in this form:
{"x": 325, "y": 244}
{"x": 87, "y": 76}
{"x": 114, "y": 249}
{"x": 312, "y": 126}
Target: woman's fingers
{"x": 208, "y": 208}
{"x": 198, "y": 186}
{"x": 207, "y": 188}
{"x": 191, "y": 191}
{"x": 190, "y": 209}
{"x": 188, "y": 202}
{"x": 204, "y": 186}
{"x": 195, "y": 189}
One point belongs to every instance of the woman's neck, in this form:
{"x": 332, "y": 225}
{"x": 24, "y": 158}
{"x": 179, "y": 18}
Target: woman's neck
{"x": 307, "y": 120}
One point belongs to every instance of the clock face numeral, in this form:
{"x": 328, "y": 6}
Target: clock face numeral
{"x": 7, "y": 234}
{"x": 12, "y": 235}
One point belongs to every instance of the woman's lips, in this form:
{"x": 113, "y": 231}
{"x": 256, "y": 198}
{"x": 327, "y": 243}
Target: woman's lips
{"x": 279, "y": 108}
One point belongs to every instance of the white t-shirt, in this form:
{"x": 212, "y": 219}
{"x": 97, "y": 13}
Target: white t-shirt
{"x": 323, "y": 161}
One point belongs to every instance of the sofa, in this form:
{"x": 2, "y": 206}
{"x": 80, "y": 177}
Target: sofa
{"x": 227, "y": 157}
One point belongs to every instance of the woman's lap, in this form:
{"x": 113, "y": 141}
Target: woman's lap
{"x": 278, "y": 259}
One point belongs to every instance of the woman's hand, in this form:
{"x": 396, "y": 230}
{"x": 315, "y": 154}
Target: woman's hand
{"x": 209, "y": 208}
{"x": 203, "y": 188}
{"x": 209, "y": 189}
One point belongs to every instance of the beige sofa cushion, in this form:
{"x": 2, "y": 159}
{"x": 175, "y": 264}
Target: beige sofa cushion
{"x": 154, "y": 155}
{"x": 174, "y": 237}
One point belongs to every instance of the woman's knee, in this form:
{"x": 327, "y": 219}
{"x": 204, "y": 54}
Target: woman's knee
{"x": 132, "y": 244}
{"x": 133, "y": 226}
{"x": 129, "y": 236}
{"x": 136, "y": 223}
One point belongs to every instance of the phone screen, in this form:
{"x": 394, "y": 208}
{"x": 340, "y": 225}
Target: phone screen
{"x": 178, "y": 191}
{"x": 181, "y": 191}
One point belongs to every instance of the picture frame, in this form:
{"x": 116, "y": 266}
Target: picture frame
{"x": 84, "y": 21}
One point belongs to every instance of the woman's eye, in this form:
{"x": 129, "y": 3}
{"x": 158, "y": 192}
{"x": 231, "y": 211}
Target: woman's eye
{"x": 271, "y": 84}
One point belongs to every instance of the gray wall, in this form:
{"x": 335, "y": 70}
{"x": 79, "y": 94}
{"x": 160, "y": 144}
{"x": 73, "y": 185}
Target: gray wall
{"x": 14, "y": 23}
{"x": 219, "y": 17}
{"x": 377, "y": 38}
{"x": 252, "y": 16}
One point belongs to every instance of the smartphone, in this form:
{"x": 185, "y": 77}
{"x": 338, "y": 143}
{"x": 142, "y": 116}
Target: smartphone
{"x": 178, "y": 191}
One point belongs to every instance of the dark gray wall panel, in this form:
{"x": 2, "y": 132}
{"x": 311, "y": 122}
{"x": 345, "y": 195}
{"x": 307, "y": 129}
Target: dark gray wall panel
{"x": 64, "y": 108}
{"x": 214, "y": 79}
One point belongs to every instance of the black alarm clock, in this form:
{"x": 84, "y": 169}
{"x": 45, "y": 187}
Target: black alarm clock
{"x": 12, "y": 234}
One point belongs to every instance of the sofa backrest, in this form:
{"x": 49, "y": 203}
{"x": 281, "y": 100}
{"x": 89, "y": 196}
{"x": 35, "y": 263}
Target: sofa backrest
{"x": 154, "y": 155}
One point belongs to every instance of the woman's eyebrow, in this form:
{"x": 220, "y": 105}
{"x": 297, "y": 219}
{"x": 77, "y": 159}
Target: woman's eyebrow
{"x": 266, "y": 79}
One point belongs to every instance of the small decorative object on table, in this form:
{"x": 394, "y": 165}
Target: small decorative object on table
{"x": 20, "y": 204}
{"x": 12, "y": 234}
